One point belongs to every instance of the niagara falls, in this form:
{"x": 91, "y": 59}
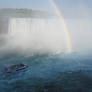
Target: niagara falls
{"x": 45, "y": 46}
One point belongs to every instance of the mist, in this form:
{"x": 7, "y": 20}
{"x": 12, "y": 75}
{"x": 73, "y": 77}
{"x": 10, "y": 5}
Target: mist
{"x": 34, "y": 36}
{"x": 29, "y": 35}
{"x": 79, "y": 23}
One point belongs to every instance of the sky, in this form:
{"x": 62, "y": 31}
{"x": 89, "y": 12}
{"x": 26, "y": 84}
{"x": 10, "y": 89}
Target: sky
{"x": 33, "y": 4}
{"x": 43, "y": 4}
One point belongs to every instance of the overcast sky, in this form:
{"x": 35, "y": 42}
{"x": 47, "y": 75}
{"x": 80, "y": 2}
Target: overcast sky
{"x": 45, "y": 4}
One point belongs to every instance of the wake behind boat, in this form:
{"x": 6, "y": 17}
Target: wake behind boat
{"x": 16, "y": 68}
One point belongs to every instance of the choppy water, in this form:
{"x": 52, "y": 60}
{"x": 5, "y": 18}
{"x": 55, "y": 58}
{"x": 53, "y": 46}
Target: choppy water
{"x": 49, "y": 73}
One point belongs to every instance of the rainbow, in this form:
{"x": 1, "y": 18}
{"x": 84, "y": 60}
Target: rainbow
{"x": 66, "y": 31}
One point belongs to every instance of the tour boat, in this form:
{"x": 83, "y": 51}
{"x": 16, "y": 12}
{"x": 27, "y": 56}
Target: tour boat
{"x": 16, "y": 68}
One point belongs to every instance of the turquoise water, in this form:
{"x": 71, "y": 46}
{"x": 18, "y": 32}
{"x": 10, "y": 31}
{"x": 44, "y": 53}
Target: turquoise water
{"x": 48, "y": 73}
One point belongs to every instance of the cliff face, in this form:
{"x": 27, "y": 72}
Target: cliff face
{"x": 6, "y": 14}
{"x": 25, "y": 13}
{"x": 21, "y": 19}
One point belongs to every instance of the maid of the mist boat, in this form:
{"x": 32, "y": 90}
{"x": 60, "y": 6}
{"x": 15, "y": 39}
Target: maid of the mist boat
{"x": 16, "y": 68}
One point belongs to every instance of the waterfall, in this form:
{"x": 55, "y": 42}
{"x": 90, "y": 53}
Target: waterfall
{"x": 37, "y": 35}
